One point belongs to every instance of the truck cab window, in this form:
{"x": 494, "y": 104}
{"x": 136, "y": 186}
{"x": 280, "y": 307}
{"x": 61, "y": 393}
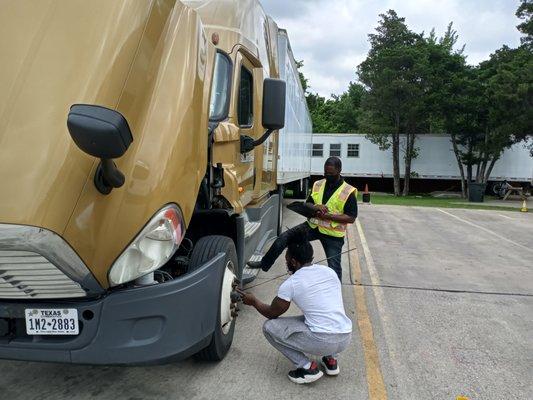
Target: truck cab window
{"x": 246, "y": 98}
{"x": 219, "y": 103}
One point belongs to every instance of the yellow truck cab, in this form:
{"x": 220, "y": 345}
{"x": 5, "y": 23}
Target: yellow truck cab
{"x": 138, "y": 156}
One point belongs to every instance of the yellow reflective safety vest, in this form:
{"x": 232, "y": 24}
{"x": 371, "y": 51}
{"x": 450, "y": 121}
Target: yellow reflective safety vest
{"x": 335, "y": 205}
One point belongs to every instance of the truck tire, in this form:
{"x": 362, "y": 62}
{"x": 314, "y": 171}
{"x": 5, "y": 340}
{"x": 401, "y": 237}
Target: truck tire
{"x": 206, "y": 248}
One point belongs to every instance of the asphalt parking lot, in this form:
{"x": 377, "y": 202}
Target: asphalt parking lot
{"x": 459, "y": 318}
{"x": 445, "y": 309}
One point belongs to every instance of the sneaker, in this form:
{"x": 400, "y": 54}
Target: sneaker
{"x": 331, "y": 367}
{"x": 302, "y": 375}
{"x": 254, "y": 264}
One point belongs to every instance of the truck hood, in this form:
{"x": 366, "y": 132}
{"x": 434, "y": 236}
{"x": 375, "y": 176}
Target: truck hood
{"x": 56, "y": 53}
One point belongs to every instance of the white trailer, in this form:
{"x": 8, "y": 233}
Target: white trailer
{"x": 295, "y": 139}
{"x": 436, "y": 160}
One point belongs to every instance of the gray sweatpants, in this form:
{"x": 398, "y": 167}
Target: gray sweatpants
{"x": 292, "y": 337}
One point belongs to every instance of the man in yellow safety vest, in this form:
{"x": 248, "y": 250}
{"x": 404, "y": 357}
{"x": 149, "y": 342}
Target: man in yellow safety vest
{"x": 335, "y": 206}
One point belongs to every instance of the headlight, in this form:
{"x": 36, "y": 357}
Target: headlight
{"x": 152, "y": 248}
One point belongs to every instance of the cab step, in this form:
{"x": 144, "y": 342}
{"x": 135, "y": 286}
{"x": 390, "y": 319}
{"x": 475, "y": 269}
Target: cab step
{"x": 250, "y": 228}
{"x": 249, "y": 274}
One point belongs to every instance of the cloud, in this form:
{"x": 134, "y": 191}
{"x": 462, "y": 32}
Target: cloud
{"x": 331, "y": 35}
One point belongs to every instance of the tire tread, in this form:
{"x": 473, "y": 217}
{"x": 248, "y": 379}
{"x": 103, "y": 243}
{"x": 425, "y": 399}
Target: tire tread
{"x": 206, "y": 248}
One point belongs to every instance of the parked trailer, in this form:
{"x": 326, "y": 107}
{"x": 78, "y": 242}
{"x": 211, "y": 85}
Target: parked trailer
{"x": 295, "y": 139}
{"x": 436, "y": 159}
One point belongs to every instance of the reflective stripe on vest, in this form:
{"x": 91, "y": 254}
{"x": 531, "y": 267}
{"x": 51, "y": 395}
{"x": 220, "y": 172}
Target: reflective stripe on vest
{"x": 335, "y": 205}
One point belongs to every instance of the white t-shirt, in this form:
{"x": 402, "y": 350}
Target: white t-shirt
{"x": 316, "y": 290}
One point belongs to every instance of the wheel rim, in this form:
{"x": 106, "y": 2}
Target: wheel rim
{"x": 226, "y": 317}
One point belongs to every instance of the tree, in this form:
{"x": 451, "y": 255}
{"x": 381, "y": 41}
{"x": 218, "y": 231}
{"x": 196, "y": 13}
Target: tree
{"x": 506, "y": 82}
{"x": 486, "y": 108}
{"x": 492, "y": 109}
{"x": 303, "y": 80}
{"x": 340, "y": 114}
{"x": 394, "y": 76}
{"x": 525, "y": 12}
{"x": 449, "y": 95}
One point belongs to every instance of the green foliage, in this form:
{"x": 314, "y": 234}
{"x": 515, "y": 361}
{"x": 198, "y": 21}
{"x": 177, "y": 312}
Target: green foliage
{"x": 418, "y": 84}
{"x": 340, "y": 114}
{"x": 428, "y": 201}
{"x": 393, "y": 76}
{"x": 505, "y": 106}
{"x": 507, "y": 82}
{"x": 525, "y": 12}
{"x": 411, "y": 84}
{"x": 304, "y": 81}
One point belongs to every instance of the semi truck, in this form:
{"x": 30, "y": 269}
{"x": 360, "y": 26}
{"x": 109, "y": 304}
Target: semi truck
{"x": 139, "y": 145}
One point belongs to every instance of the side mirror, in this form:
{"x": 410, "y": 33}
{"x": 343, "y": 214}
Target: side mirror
{"x": 274, "y": 94}
{"x": 103, "y": 133}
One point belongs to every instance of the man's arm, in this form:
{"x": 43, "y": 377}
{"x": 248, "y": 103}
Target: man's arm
{"x": 272, "y": 311}
{"x": 342, "y": 218}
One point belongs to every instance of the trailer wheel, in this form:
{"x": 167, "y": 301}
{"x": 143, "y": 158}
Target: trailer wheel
{"x": 207, "y": 248}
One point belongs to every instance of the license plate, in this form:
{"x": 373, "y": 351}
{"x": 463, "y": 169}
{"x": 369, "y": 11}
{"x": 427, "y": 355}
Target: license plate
{"x": 52, "y": 321}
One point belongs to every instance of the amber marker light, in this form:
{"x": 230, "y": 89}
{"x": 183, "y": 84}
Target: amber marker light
{"x": 215, "y": 38}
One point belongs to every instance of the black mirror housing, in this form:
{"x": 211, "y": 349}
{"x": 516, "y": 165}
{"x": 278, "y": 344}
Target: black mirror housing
{"x": 103, "y": 133}
{"x": 274, "y": 95}
{"x": 99, "y": 131}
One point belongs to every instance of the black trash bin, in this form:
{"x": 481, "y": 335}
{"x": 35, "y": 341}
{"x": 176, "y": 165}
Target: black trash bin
{"x": 476, "y": 191}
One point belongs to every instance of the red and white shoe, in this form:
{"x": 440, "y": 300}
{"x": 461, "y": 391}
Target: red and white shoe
{"x": 331, "y": 367}
{"x": 302, "y": 375}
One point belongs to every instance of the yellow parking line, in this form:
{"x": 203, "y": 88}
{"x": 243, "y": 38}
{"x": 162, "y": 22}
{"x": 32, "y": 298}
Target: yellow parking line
{"x": 374, "y": 377}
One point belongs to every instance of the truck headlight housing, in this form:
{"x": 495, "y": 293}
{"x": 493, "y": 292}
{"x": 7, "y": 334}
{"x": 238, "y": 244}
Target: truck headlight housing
{"x": 152, "y": 248}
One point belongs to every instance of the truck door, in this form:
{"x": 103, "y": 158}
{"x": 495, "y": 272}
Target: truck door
{"x": 244, "y": 171}
{"x": 247, "y": 111}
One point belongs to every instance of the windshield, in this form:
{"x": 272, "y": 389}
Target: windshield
{"x": 218, "y": 105}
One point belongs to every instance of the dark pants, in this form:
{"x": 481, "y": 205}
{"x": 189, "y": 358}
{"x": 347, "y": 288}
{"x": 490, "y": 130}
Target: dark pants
{"x": 332, "y": 247}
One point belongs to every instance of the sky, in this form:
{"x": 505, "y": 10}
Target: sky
{"x": 330, "y": 36}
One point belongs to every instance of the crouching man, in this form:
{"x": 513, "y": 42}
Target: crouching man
{"x": 323, "y": 330}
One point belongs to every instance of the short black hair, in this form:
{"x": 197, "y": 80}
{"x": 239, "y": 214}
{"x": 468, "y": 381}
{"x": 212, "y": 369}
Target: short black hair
{"x": 334, "y": 162}
{"x": 299, "y": 247}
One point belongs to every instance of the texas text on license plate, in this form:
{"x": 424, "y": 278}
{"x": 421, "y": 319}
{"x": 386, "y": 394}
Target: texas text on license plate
{"x": 55, "y": 321}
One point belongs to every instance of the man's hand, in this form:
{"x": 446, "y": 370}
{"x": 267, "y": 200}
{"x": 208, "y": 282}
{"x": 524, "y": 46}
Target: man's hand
{"x": 320, "y": 209}
{"x": 247, "y": 298}
{"x": 274, "y": 310}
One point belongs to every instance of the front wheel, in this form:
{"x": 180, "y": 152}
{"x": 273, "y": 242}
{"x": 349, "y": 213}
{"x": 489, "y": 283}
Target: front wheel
{"x": 207, "y": 248}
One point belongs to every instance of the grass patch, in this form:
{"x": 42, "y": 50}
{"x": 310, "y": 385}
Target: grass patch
{"x": 428, "y": 201}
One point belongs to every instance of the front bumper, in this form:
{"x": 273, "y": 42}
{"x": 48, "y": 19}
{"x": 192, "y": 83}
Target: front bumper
{"x": 151, "y": 324}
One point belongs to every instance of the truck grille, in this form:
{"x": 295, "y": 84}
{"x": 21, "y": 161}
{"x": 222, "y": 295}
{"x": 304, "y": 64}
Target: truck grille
{"x": 28, "y": 275}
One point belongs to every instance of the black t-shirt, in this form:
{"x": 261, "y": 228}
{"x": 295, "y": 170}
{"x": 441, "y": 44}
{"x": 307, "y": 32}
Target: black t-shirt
{"x": 350, "y": 207}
